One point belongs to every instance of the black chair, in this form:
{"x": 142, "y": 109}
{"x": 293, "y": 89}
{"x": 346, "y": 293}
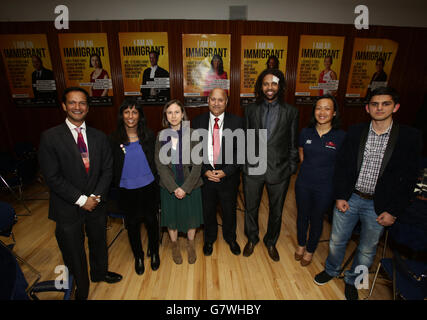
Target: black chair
{"x": 10, "y": 177}
{"x": 114, "y": 212}
{"x": 408, "y": 266}
{"x": 14, "y": 285}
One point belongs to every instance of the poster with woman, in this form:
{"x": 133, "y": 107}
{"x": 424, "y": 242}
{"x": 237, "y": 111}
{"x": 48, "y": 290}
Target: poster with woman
{"x": 257, "y": 54}
{"x": 371, "y": 65}
{"x": 145, "y": 66}
{"x": 29, "y": 69}
{"x": 86, "y": 64}
{"x": 206, "y": 64}
{"x": 319, "y": 66}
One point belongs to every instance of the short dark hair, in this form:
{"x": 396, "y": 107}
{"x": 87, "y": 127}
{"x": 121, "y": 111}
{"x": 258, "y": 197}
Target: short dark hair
{"x": 72, "y": 89}
{"x": 156, "y": 53}
{"x": 99, "y": 59}
{"x": 330, "y": 57}
{"x": 259, "y": 94}
{"x": 336, "y": 120}
{"x": 38, "y": 58}
{"x": 385, "y": 91}
{"x": 380, "y": 59}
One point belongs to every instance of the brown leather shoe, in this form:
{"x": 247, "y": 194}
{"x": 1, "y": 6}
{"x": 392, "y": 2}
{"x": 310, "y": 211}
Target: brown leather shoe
{"x": 297, "y": 256}
{"x": 272, "y": 252}
{"x": 249, "y": 249}
{"x": 305, "y": 262}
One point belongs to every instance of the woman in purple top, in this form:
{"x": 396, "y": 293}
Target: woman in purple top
{"x": 135, "y": 176}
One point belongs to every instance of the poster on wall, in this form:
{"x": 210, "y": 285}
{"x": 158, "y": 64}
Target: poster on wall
{"x": 29, "y": 69}
{"x": 319, "y": 66}
{"x": 371, "y": 65}
{"x": 145, "y": 66}
{"x": 259, "y": 53}
{"x": 206, "y": 64}
{"x": 86, "y": 64}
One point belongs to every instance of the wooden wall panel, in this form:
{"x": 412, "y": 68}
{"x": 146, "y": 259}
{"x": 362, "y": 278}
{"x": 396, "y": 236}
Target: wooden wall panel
{"x": 409, "y": 74}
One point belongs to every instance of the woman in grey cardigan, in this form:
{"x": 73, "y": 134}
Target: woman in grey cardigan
{"x": 180, "y": 182}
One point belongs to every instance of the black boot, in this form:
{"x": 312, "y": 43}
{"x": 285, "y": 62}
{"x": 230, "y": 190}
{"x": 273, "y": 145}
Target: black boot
{"x": 139, "y": 264}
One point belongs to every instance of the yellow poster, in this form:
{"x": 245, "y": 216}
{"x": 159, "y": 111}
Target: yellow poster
{"x": 206, "y": 63}
{"x": 29, "y": 69}
{"x": 371, "y": 65}
{"x": 86, "y": 64}
{"x": 145, "y": 66}
{"x": 319, "y": 66}
{"x": 257, "y": 54}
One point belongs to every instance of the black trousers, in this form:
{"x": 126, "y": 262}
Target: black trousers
{"x": 224, "y": 193}
{"x": 253, "y": 189}
{"x": 71, "y": 240}
{"x": 141, "y": 205}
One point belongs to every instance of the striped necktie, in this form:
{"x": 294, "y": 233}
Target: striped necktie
{"x": 83, "y": 149}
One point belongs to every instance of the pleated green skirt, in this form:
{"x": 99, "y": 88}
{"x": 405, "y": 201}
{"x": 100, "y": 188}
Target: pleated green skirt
{"x": 181, "y": 214}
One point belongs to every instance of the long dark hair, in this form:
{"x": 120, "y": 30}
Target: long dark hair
{"x": 220, "y": 66}
{"x": 259, "y": 94}
{"x": 336, "y": 121}
{"x": 143, "y": 132}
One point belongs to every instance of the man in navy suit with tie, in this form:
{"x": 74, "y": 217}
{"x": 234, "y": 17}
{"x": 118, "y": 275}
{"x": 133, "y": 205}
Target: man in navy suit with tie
{"x": 76, "y": 162}
{"x": 220, "y": 178}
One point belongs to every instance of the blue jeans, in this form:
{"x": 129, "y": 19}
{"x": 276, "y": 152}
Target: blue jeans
{"x": 342, "y": 228}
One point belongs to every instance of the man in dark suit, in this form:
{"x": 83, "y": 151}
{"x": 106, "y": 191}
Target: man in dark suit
{"x": 375, "y": 175}
{"x": 76, "y": 162}
{"x": 150, "y": 74}
{"x": 41, "y": 73}
{"x": 221, "y": 179}
{"x": 280, "y": 119}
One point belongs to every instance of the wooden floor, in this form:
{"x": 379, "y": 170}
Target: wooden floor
{"x": 220, "y": 276}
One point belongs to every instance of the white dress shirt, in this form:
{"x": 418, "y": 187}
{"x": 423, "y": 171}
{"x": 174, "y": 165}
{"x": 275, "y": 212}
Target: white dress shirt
{"x": 83, "y": 198}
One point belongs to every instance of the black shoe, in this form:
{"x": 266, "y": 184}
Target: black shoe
{"x": 272, "y": 252}
{"x": 110, "y": 277}
{"x": 139, "y": 265}
{"x": 249, "y": 249}
{"x": 234, "y": 247}
{"x": 351, "y": 292}
{"x": 155, "y": 261}
{"x": 207, "y": 248}
{"x": 322, "y": 278}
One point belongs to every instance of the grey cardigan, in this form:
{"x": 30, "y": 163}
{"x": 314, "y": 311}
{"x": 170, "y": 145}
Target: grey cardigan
{"x": 192, "y": 178}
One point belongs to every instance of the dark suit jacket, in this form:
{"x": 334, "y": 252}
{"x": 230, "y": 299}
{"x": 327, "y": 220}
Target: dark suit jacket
{"x": 159, "y": 73}
{"x": 282, "y": 146}
{"x": 45, "y": 75}
{"x": 398, "y": 171}
{"x": 231, "y": 122}
{"x": 62, "y": 166}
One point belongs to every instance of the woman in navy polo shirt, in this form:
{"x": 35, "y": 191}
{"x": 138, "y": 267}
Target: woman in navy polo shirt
{"x": 318, "y": 147}
{"x": 134, "y": 174}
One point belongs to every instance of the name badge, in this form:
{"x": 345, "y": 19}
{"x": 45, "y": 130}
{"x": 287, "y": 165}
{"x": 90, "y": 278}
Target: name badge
{"x": 308, "y": 142}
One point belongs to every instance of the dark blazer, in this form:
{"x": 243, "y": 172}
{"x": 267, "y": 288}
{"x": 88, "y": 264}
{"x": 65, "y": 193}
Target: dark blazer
{"x": 231, "y": 122}
{"x": 398, "y": 171}
{"x": 45, "y": 75}
{"x": 282, "y": 145}
{"x": 192, "y": 179}
{"x": 159, "y": 73}
{"x": 119, "y": 157}
{"x": 62, "y": 167}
